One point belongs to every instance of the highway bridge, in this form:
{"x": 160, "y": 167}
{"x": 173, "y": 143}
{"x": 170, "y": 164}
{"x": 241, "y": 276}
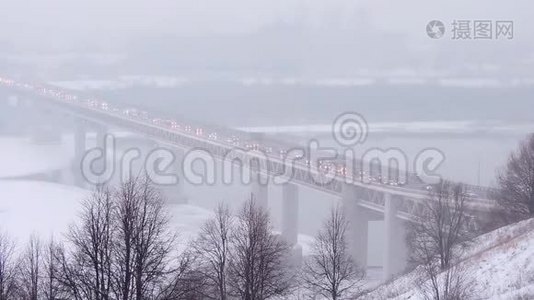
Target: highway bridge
{"x": 394, "y": 201}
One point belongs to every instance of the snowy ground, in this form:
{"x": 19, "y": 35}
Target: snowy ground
{"x": 500, "y": 265}
{"x": 44, "y": 208}
{"x": 47, "y": 209}
{"x": 21, "y": 157}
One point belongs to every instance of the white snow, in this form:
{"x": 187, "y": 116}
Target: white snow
{"x": 500, "y": 265}
{"x": 48, "y": 209}
{"x": 45, "y": 209}
{"x": 21, "y": 157}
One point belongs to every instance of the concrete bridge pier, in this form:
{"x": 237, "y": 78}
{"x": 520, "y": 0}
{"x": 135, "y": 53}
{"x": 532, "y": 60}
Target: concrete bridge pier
{"x": 80, "y": 135}
{"x": 142, "y": 148}
{"x": 260, "y": 190}
{"x": 395, "y": 250}
{"x": 100, "y": 139}
{"x": 43, "y": 124}
{"x": 11, "y": 116}
{"x": 290, "y": 221}
{"x": 100, "y": 166}
{"x": 155, "y": 164}
{"x": 290, "y": 212}
{"x": 358, "y": 218}
{"x": 176, "y": 192}
{"x": 260, "y": 182}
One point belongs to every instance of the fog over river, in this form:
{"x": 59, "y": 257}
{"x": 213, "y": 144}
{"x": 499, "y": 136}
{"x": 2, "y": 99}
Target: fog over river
{"x": 475, "y": 143}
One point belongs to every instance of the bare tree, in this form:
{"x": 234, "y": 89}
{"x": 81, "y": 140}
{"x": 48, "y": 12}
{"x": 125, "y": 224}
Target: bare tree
{"x": 66, "y": 273}
{"x": 212, "y": 246}
{"x": 516, "y": 183}
{"x": 30, "y": 269}
{"x": 124, "y": 248}
{"x": 437, "y": 237}
{"x": 330, "y": 271}
{"x": 87, "y": 266}
{"x": 187, "y": 282}
{"x": 120, "y": 249}
{"x": 50, "y": 287}
{"x": 144, "y": 241}
{"x": 8, "y": 270}
{"x": 258, "y": 258}
{"x": 453, "y": 283}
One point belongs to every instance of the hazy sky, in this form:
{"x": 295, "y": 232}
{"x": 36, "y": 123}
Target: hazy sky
{"x": 51, "y": 37}
{"x": 22, "y": 22}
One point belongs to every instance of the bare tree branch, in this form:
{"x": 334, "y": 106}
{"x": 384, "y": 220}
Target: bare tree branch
{"x": 212, "y": 246}
{"x": 258, "y": 258}
{"x": 516, "y": 183}
{"x": 30, "y": 269}
{"x": 87, "y": 266}
{"x": 437, "y": 238}
{"x": 330, "y": 270}
{"x": 8, "y": 270}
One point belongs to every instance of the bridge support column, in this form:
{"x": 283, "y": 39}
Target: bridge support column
{"x": 100, "y": 165}
{"x": 260, "y": 190}
{"x": 152, "y": 158}
{"x": 290, "y": 221}
{"x": 290, "y": 212}
{"x": 100, "y": 139}
{"x": 395, "y": 250}
{"x": 357, "y": 234}
{"x": 176, "y": 193}
{"x": 44, "y": 125}
{"x": 80, "y": 134}
{"x": 11, "y": 116}
{"x": 259, "y": 181}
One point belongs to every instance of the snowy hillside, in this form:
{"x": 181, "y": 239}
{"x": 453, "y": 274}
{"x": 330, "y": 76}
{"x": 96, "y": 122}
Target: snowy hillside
{"x": 500, "y": 265}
